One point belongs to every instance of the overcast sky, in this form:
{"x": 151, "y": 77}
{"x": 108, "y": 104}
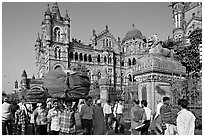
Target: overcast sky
{"x": 21, "y": 22}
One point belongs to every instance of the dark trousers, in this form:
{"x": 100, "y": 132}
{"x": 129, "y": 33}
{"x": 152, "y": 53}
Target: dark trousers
{"x": 42, "y": 129}
{"x": 144, "y": 130}
{"x": 33, "y": 129}
{"x": 7, "y": 127}
{"x": 106, "y": 120}
{"x": 54, "y": 132}
{"x": 88, "y": 125}
{"x": 21, "y": 129}
{"x": 118, "y": 124}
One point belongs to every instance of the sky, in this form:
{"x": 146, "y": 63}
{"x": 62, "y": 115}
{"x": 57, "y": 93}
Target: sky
{"x": 21, "y": 22}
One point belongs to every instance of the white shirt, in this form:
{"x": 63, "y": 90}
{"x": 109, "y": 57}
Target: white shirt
{"x": 158, "y": 109}
{"x": 118, "y": 109}
{"x": 148, "y": 112}
{"x": 107, "y": 109}
{"x": 185, "y": 122}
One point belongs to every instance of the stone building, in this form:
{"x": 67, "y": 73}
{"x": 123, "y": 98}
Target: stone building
{"x": 128, "y": 67}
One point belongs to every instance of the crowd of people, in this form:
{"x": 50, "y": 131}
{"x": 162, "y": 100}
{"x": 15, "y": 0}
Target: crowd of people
{"x": 54, "y": 117}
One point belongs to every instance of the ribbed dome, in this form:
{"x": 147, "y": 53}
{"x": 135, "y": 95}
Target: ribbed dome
{"x": 134, "y": 33}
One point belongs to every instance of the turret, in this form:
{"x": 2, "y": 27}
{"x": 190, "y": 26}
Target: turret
{"x": 56, "y": 12}
{"x": 24, "y": 80}
{"x": 178, "y": 16}
{"x": 67, "y": 24}
{"x": 47, "y": 20}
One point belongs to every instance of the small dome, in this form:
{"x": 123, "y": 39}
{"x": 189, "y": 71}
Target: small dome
{"x": 133, "y": 33}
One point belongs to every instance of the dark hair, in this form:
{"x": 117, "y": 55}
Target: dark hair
{"x": 184, "y": 103}
{"x": 109, "y": 101}
{"x": 144, "y": 102}
{"x": 55, "y": 101}
{"x": 17, "y": 107}
{"x": 179, "y": 101}
{"x": 137, "y": 101}
{"x": 166, "y": 98}
{"x": 87, "y": 98}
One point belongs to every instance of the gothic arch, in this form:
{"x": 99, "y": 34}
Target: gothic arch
{"x": 99, "y": 58}
{"x": 129, "y": 62}
{"x": 80, "y": 57}
{"x": 76, "y": 56}
{"x": 57, "y": 33}
{"x": 58, "y": 67}
{"x": 71, "y": 55}
{"x": 85, "y": 57}
{"x": 90, "y": 58}
{"x": 133, "y": 61}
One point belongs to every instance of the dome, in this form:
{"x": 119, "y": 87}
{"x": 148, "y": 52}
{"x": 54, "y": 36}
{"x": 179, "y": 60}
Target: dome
{"x": 133, "y": 33}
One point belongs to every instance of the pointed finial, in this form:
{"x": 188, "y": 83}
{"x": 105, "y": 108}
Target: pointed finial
{"x": 94, "y": 32}
{"x": 67, "y": 16}
{"x": 38, "y": 37}
{"x": 133, "y": 25}
{"x": 106, "y": 27}
{"x": 48, "y": 10}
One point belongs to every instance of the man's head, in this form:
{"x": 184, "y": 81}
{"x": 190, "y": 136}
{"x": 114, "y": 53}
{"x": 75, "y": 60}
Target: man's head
{"x": 144, "y": 103}
{"x": 56, "y": 103}
{"x": 43, "y": 105}
{"x": 136, "y": 101}
{"x": 183, "y": 103}
{"x": 98, "y": 102}
{"x": 109, "y": 102}
{"x": 88, "y": 100}
{"x": 166, "y": 100}
{"x": 69, "y": 104}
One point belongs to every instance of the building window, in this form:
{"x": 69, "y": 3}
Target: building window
{"x": 106, "y": 42}
{"x": 105, "y": 59}
{"x": 129, "y": 78}
{"x": 57, "y": 53}
{"x": 89, "y": 58}
{"x": 76, "y": 56}
{"x": 122, "y": 63}
{"x": 99, "y": 75}
{"x": 109, "y": 43}
{"x": 71, "y": 55}
{"x": 80, "y": 56}
{"x": 129, "y": 62}
{"x": 85, "y": 57}
{"x": 57, "y": 34}
{"x": 115, "y": 61}
{"x": 99, "y": 58}
{"x": 134, "y": 61}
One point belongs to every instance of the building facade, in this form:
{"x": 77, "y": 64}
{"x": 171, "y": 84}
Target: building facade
{"x": 117, "y": 67}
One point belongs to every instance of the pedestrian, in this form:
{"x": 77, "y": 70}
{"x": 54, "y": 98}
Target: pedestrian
{"x": 49, "y": 103}
{"x": 40, "y": 118}
{"x": 138, "y": 116}
{"x": 20, "y": 121}
{"x": 86, "y": 116}
{"x": 118, "y": 113}
{"x": 185, "y": 119}
{"x": 168, "y": 126}
{"x": 157, "y": 118}
{"x": 107, "y": 112}
{"x": 98, "y": 119}
{"x": 32, "y": 119}
{"x": 65, "y": 120}
{"x": 148, "y": 112}
{"x": 7, "y": 117}
{"x": 53, "y": 117}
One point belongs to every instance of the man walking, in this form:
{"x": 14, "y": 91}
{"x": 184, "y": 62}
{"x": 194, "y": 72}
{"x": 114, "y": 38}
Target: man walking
{"x": 185, "y": 120}
{"x": 167, "y": 117}
{"x": 53, "y": 116}
{"x": 138, "y": 116}
{"x": 148, "y": 113}
{"x": 6, "y": 117}
{"x": 86, "y": 116}
{"x": 118, "y": 113}
{"x": 107, "y": 111}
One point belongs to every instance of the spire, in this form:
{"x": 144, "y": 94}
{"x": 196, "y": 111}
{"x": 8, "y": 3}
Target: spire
{"x": 16, "y": 84}
{"x": 33, "y": 77}
{"x": 67, "y": 16}
{"x": 106, "y": 27}
{"x": 38, "y": 38}
{"x": 133, "y": 25}
{"x": 94, "y": 32}
{"x": 55, "y": 11}
{"x": 24, "y": 74}
{"x": 48, "y": 10}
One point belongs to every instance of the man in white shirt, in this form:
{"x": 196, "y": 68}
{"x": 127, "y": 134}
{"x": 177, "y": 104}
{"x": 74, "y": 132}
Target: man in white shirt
{"x": 148, "y": 113}
{"x": 118, "y": 113}
{"x": 185, "y": 120}
{"x": 107, "y": 111}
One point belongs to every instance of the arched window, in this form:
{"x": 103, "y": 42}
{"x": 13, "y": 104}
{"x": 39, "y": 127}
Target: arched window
{"x": 99, "y": 58}
{"x": 57, "y": 53}
{"x": 122, "y": 63}
{"x": 58, "y": 67}
{"x": 134, "y": 61}
{"x": 109, "y": 43}
{"x": 80, "y": 56}
{"x": 99, "y": 75}
{"x": 109, "y": 60}
{"x": 130, "y": 78}
{"x": 105, "y": 59}
{"x": 56, "y": 49}
{"x": 90, "y": 59}
{"x": 129, "y": 62}
{"x": 71, "y": 55}
{"x": 76, "y": 56}
{"x": 106, "y": 42}
{"x": 121, "y": 77}
{"x": 115, "y": 61}
{"x": 85, "y": 57}
{"x": 57, "y": 34}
